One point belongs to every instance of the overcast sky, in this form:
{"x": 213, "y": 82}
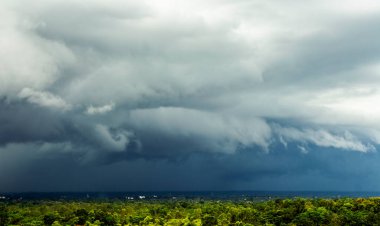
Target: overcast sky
{"x": 189, "y": 95}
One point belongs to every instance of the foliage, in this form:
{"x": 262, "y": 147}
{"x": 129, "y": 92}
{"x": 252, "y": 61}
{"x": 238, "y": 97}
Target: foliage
{"x": 299, "y": 211}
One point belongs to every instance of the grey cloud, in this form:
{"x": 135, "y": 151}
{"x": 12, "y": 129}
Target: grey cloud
{"x": 202, "y": 62}
{"x": 22, "y": 122}
{"x": 142, "y": 82}
{"x": 41, "y": 59}
{"x": 198, "y": 131}
{"x": 115, "y": 142}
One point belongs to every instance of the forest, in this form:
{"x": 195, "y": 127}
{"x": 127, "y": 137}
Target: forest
{"x": 296, "y": 211}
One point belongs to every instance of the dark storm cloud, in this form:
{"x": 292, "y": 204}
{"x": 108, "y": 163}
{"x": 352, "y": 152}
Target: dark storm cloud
{"x": 290, "y": 169}
{"x": 22, "y": 122}
{"x": 250, "y": 92}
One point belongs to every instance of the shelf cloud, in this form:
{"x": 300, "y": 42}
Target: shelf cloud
{"x": 127, "y": 85}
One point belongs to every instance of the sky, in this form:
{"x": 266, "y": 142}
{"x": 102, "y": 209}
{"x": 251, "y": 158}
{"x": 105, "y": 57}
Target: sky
{"x": 177, "y": 95}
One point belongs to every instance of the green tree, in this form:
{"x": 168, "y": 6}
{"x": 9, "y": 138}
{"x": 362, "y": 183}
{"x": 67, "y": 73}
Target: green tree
{"x": 3, "y": 215}
{"x": 209, "y": 220}
{"x": 82, "y": 215}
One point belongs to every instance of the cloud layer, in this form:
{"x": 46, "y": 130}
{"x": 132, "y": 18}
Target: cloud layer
{"x": 98, "y": 82}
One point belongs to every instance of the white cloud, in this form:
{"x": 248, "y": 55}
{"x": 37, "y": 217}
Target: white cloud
{"x": 100, "y": 110}
{"x": 324, "y": 138}
{"x": 44, "y": 99}
{"x": 302, "y": 149}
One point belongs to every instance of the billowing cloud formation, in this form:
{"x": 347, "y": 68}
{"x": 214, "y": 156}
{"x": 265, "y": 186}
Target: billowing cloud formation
{"x": 119, "y": 80}
{"x": 115, "y": 142}
{"x": 197, "y": 130}
{"x": 27, "y": 59}
{"x": 323, "y": 138}
{"x": 45, "y": 99}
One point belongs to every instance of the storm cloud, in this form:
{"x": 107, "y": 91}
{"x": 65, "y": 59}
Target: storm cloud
{"x": 262, "y": 92}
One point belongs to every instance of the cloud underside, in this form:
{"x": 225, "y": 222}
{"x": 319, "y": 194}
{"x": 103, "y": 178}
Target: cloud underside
{"x": 122, "y": 80}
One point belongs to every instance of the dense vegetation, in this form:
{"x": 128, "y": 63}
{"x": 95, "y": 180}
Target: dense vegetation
{"x": 344, "y": 211}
